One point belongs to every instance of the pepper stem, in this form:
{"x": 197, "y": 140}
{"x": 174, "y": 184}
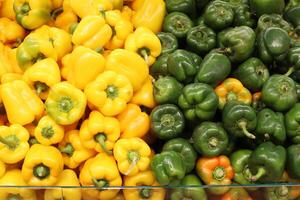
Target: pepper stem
{"x": 65, "y": 104}
{"x": 101, "y": 138}
{"x": 68, "y": 149}
{"x": 11, "y": 141}
{"x": 32, "y": 141}
{"x": 213, "y": 142}
{"x": 100, "y": 183}
{"x": 243, "y": 126}
{"x": 145, "y": 193}
{"x": 111, "y": 92}
{"x": 73, "y": 27}
{"x": 290, "y": 71}
{"x": 219, "y": 173}
{"x": 56, "y": 12}
{"x": 144, "y": 52}
{"x": 14, "y": 197}
{"x": 261, "y": 171}
{"x": 41, "y": 171}
{"x": 40, "y": 87}
{"x": 282, "y": 191}
{"x": 25, "y": 8}
{"x": 133, "y": 158}
{"x": 47, "y": 132}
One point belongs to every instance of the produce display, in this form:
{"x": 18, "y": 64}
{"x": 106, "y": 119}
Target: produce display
{"x": 149, "y": 99}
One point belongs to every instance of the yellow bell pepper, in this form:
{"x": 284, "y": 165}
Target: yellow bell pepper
{"x": 47, "y": 132}
{"x": 9, "y": 77}
{"x": 71, "y": 127}
{"x": 13, "y": 143}
{"x": 92, "y": 32}
{"x": 130, "y": 65}
{"x": 149, "y": 13}
{"x": 144, "y": 96}
{"x": 11, "y": 33}
{"x": 22, "y": 105}
{"x": 42, "y": 165}
{"x": 42, "y": 75}
{"x": 14, "y": 178}
{"x": 99, "y": 133}
{"x": 121, "y": 28}
{"x": 145, "y": 178}
{"x": 100, "y": 171}
{"x": 127, "y": 13}
{"x": 90, "y": 7}
{"x": 133, "y": 122}
{"x": 30, "y": 128}
{"x": 82, "y": 66}
{"x": 74, "y": 153}
{"x": 12, "y": 56}
{"x": 109, "y": 93}
{"x": 2, "y": 168}
{"x": 8, "y": 61}
{"x": 67, "y": 178}
{"x": 7, "y": 9}
{"x": 132, "y": 155}
{"x": 144, "y": 42}
{"x": 65, "y": 103}
{"x": 56, "y": 3}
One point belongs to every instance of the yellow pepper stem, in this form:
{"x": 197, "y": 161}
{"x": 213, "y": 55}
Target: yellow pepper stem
{"x": 68, "y": 149}
{"x": 243, "y": 126}
{"x": 101, "y": 138}
{"x": 47, "y": 132}
{"x": 261, "y": 172}
{"x": 33, "y": 141}
{"x": 145, "y": 193}
{"x": 73, "y": 27}
{"x": 41, "y": 171}
{"x": 12, "y": 141}
{"x": 144, "y": 52}
{"x": 112, "y": 92}
{"x": 65, "y": 104}
{"x": 282, "y": 192}
{"x": 40, "y": 87}
{"x": 14, "y": 197}
{"x": 231, "y": 96}
{"x": 100, "y": 183}
{"x": 133, "y": 157}
{"x": 57, "y": 12}
{"x": 25, "y": 8}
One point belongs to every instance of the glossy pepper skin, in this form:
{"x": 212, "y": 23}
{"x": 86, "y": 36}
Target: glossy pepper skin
{"x": 42, "y": 75}
{"x": 185, "y": 149}
{"x": 292, "y": 15}
{"x": 271, "y": 126}
{"x": 186, "y": 6}
{"x": 214, "y": 68}
{"x": 293, "y": 59}
{"x": 67, "y": 178}
{"x": 279, "y": 93}
{"x": 218, "y": 15}
{"x": 272, "y": 20}
{"x": 65, "y": 103}
{"x": 150, "y": 13}
{"x": 8, "y": 61}
{"x": 144, "y": 42}
{"x": 109, "y": 93}
{"x": 178, "y": 24}
{"x": 74, "y": 73}
{"x": 132, "y": 155}
{"x": 21, "y": 107}
{"x": 13, "y": 143}
{"x": 167, "y": 167}
{"x": 232, "y": 89}
{"x": 169, "y": 42}
{"x": 239, "y": 118}
{"x": 252, "y": 73}
{"x": 261, "y": 7}
{"x": 31, "y": 14}
{"x": 100, "y": 171}
{"x": 90, "y": 7}
{"x": 236, "y": 193}
{"x": 292, "y": 123}
{"x": 167, "y": 90}
{"x": 201, "y": 39}
{"x": 198, "y": 101}
{"x": 11, "y": 33}
{"x": 215, "y": 171}
{"x": 13, "y": 177}
{"x": 238, "y": 43}
{"x": 190, "y": 193}
{"x": 145, "y": 178}
{"x": 133, "y": 122}
{"x": 293, "y": 160}
{"x": 167, "y": 121}
{"x": 240, "y": 164}
{"x": 210, "y": 139}
{"x": 144, "y": 96}
{"x": 243, "y": 16}
{"x": 42, "y": 165}
{"x": 99, "y": 132}
{"x": 129, "y": 64}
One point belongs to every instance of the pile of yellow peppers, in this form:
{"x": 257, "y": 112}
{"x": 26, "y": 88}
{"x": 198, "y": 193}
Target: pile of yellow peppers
{"x": 74, "y": 79}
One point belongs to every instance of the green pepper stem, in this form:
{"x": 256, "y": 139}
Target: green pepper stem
{"x": 144, "y": 52}
{"x": 112, "y": 92}
{"x": 41, "y": 171}
{"x": 68, "y": 149}
{"x": 65, "y": 104}
{"x": 56, "y": 12}
{"x": 282, "y": 191}
{"x": 73, "y": 27}
{"x": 133, "y": 157}
{"x": 261, "y": 172}
{"x": 290, "y": 71}
{"x": 40, "y": 87}
{"x": 100, "y": 183}
{"x": 101, "y": 138}
{"x": 33, "y": 141}
{"x": 99, "y": 50}
{"x": 219, "y": 173}
{"x": 25, "y": 8}
{"x": 243, "y": 126}
{"x": 14, "y": 197}
{"x": 47, "y": 132}
{"x": 11, "y": 141}
{"x": 213, "y": 142}
{"x": 145, "y": 193}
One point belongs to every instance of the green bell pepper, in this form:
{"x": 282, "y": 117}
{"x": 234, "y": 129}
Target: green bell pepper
{"x": 260, "y": 7}
{"x": 167, "y": 121}
{"x": 160, "y": 66}
{"x": 185, "y": 6}
{"x": 237, "y": 43}
{"x": 198, "y": 101}
{"x": 214, "y": 68}
{"x": 210, "y": 139}
{"x": 190, "y": 189}
{"x": 182, "y": 65}
{"x": 197, "y": 60}
{"x": 292, "y": 123}
{"x": 292, "y": 4}
{"x": 279, "y": 93}
{"x": 272, "y": 20}
{"x": 167, "y": 167}
{"x": 298, "y": 91}
{"x": 185, "y": 149}
{"x": 201, "y": 4}
{"x": 296, "y": 77}
{"x": 278, "y": 193}
{"x": 240, "y": 163}
{"x": 201, "y": 39}
{"x": 168, "y": 42}
{"x": 267, "y": 162}
{"x": 293, "y": 161}
{"x": 230, "y": 147}
{"x": 167, "y": 90}
{"x": 273, "y": 44}
{"x": 270, "y": 126}
{"x": 243, "y": 16}
{"x": 200, "y": 21}
{"x": 239, "y": 118}
{"x": 252, "y": 73}
{"x": 177, "y": 23}
{"x": 236, "y": 3}
{"x": 293, "y": 16}
{"x": 218, "y": 15}
{"x": 293, "y": 59}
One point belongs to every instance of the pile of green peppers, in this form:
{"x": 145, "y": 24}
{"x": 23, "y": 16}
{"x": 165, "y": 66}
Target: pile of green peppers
{"x": 205, "y": 42}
